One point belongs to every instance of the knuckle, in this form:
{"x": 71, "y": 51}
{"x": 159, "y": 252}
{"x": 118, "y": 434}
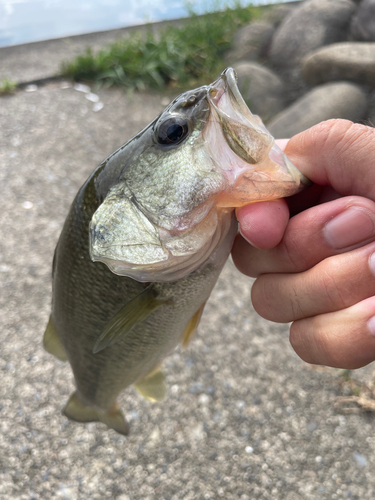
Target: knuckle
{"x": 301, "y": 342}
{"x": 311, "y": 339}
{"x": 274, "y": 298}
{"x": 330, "y": 282}
{"x": 319, "y": 341}
{"x": 293, "y": 253}
{"x": 263, "y": 297}
{"x": 355, "y": 135}
{"x": 323, "y": 135}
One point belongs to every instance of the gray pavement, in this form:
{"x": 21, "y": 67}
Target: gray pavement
{"x": 39, "y": 60}
{"x": 244, "y": 417}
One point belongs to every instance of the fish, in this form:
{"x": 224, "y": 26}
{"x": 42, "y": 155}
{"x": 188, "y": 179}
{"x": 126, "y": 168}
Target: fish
{"x": 146, "y": 238}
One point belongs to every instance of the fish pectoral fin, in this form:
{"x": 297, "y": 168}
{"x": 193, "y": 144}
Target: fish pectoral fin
{"x": 52, "y": 343}
{"x": 152, "y": 387}
{"x": 132, "y": 313}
{"x": 191, "y": 327}
{"x": 78, "y": 412}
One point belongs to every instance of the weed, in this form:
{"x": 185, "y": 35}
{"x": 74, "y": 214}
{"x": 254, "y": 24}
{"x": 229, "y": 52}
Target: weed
{"x": 171, "y": 57}
{"x": 7, "y": 86}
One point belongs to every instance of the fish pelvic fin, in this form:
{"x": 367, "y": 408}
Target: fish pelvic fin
{"x": 113, "y": 418}
{"x": 152, "y": 387}
{"x": 52, "y": 343}
{"x": 191, "y": 327}
{"x": 132, "y": 313}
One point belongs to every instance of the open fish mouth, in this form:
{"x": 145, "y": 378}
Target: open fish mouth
{"x": 203, "y": 156}
{"x": 256, "y": 168}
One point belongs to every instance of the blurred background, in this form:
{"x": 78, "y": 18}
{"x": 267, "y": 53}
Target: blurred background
{"x": 23, "y": 21}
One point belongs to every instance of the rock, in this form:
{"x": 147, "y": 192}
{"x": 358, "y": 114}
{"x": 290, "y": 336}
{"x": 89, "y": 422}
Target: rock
{"x": 261, "y": 88}
{"x": 353, "y": 61}
{"x": 331, "y": 100}
{"x": 277, "y": 13}
{"x": 250, "y": 42}
{"x": 311, "y": 25}
{"x": 363, "y": 23}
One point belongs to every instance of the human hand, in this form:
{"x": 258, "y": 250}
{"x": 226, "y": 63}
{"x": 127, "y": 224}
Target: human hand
{"x": 317, "y": 269}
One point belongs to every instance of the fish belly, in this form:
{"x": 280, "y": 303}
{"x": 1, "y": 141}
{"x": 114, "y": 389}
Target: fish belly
{"x": 102, "y": 376}
{"x": 87, "y": 295}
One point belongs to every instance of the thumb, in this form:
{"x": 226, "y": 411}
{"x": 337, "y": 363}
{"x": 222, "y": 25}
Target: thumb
{"x": 337, "y": 153}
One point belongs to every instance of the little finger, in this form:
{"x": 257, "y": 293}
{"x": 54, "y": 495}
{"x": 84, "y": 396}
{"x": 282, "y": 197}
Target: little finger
{"x": 342, "y": 339}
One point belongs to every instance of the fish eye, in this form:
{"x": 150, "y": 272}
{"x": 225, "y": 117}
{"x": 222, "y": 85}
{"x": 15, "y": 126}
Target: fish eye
{"x": 172, "y": 131}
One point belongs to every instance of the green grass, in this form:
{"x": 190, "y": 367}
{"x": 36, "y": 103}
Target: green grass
{"x": 172, "y": 57}
{"x": 7, "y": 86}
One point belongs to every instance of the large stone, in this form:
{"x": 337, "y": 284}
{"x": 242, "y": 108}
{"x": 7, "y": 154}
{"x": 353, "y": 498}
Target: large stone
{"x": 250, "y": 42}
{"x": 331, "y": 100}
{"x": 363, "y": 23}
{"x": 353, "y": 61}
{"x": 311, "y": 25}
{"x": 277, "y": 13}
{"x": 261, "y": 88}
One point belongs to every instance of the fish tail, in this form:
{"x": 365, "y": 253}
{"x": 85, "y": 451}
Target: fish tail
{"x": 113, "y": 418}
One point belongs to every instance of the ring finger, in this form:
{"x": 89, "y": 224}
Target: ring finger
{"x": 335, "y": 283}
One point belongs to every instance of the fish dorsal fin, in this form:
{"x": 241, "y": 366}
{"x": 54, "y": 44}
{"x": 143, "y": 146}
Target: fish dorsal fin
{"x": 152, "y": 387}
{"x": 131, "y": 314}
{"x": 191, "y": 327}
{"x": 52, "y": 343}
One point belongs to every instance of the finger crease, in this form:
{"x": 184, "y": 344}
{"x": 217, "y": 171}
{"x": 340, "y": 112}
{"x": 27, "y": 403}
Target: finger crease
{"x": 333, "y": 292}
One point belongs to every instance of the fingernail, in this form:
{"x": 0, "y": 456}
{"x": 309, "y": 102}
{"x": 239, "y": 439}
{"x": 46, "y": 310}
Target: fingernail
{"x": 371, "y": 262}
{"x": 349, "y": 228}
{"x": 247, "y": 239}
{"x": 371, "y": 325}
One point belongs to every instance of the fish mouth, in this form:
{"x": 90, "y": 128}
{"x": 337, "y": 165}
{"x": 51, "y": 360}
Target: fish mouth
{"x": 227, "y": 83}
{"x": 255, "y": 167}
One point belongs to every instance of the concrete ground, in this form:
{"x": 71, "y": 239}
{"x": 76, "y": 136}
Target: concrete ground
{"x": 39, "y": 60}
{"x": 244, "y": 418}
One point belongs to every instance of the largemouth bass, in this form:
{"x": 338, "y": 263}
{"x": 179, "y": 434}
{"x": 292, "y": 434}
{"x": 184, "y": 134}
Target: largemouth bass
{"x": 146, "y": 238}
